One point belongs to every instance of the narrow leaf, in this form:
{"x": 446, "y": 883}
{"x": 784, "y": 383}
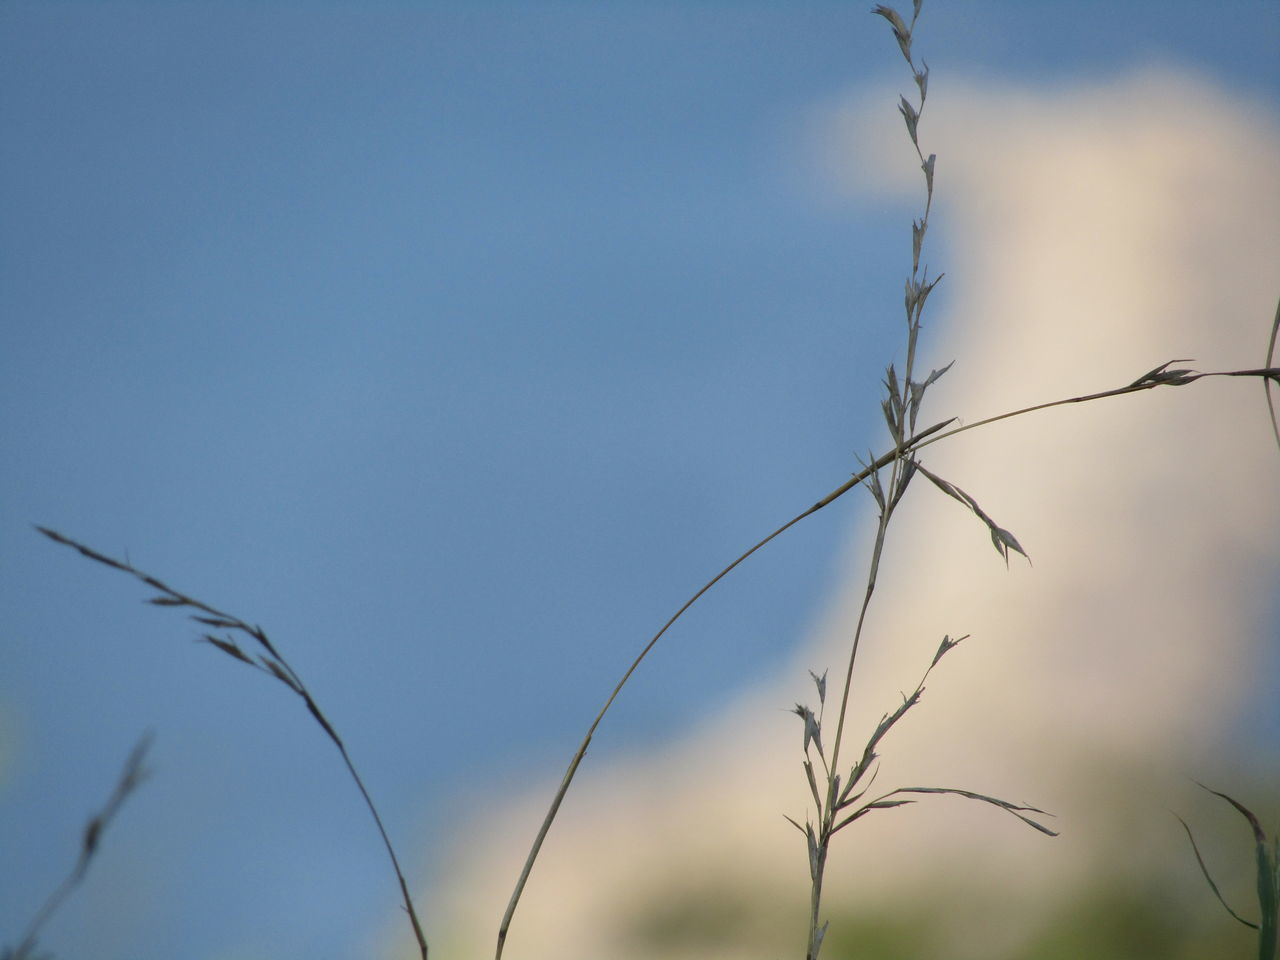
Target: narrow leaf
{"x": 1014, "y": 809}
{"x": 1267, "y": 880}
{"x": 1212, "y": 886}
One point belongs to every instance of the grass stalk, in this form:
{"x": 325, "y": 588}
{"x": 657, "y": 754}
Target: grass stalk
{"x": 271, "y": 663}
{"x": 838, "y": 799}
{"x": 131, "y": 777}
{"x": 525, "y": 870}
{"x": 1157, "y": 377}
{"x": 279, "y": 668}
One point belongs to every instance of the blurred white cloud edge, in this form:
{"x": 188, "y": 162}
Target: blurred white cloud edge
{"x": 1091, "y": 233}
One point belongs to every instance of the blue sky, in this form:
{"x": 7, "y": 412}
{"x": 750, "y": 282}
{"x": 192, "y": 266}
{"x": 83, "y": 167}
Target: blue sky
{"x": 455, "y": 344}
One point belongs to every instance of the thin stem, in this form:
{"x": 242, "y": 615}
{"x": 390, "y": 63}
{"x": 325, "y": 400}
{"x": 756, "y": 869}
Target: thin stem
{"x": 815, "y": 903}
{"x": 1268, "y": 373}
{"x": 567, "y": 780}
{"x": 418, "y": 935}
{"x": 876, "y": 552}
{"x": 272, "y": 663}
{"x": 900, "y": 409}
{"x": 915, "y": 443}
{"x": 130, "y": 777}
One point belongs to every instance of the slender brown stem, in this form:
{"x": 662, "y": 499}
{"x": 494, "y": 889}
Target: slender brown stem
{"x": 131, "y": 776}
{"x": 1266, "y": 373}
{"x": 914, "y": 443}
{"x": 840, "y": 491}
{"x": 274, "y": 664}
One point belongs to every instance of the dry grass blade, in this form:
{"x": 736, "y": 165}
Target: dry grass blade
{"x": 1267, "y": 853}
{"x": 270, "y": 663}
{"x": 131, "y": 776}
{"x": 1204, "y": 869}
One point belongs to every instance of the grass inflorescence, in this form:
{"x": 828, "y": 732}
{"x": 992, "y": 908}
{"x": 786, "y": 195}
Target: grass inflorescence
{"x": 840, "y": 789}
{"x": 267, "y": 659}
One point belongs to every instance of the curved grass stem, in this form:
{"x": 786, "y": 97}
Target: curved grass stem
{"x": 1160, "y": 376}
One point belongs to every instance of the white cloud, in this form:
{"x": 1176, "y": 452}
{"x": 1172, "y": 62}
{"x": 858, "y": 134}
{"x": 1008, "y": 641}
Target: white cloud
{"x": 1092, "y": 233}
